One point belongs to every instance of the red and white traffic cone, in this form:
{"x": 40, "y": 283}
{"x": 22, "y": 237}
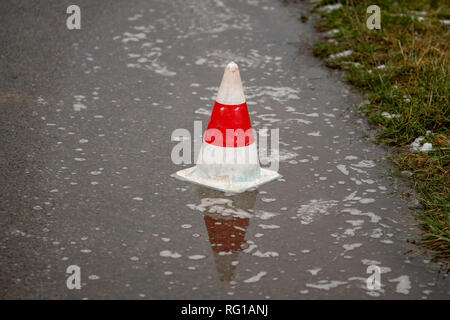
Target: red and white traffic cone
{"x": 228, "y": 158}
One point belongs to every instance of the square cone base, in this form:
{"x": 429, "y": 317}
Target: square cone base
{"x": 224, "y": 184}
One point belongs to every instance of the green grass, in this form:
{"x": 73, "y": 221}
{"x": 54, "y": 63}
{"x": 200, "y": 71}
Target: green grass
{"x": 414, "y": 86}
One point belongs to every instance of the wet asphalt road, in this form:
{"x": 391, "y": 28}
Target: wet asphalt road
{"x": 86, "y": 123}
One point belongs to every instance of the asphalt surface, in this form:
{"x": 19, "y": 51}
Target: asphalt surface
{"x": 86, "y": 124}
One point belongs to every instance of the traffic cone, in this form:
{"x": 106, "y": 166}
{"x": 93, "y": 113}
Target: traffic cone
{"x": 228, "y": 158}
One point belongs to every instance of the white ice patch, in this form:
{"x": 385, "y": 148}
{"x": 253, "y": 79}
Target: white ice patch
{"x": 342, "y": 168}
{"x": 331, "y": 32}
{"x": 355, "y": 223}
{"x": 307, "y": 212}
{"x": 133, "y": 37}
{"x": 355, "y": 212}
{"x": 314, "y": 271}
{"x": 426, "y": 147}
{"x": 264, "y": 215}
{"x": 252, "y": 59}
{"x": 268, "y": 226}
{"x": 78, "y": 106}
{"x": 364, "y": 164}
{"x": 203, "y": 111}
{"x": 366, "y": 200}
{"x": 196, "y": 257}
{"x": 353, "y": 246}
{"x": 220, "y": 206}
{"x": 200, "y": 61}
{"x": 41, "y": 101}
{"x": 311, "y": 115}
{"x": 351, "y": 196}
{"x": 151, "y": 56}
{"x": 376, "y": 233}
{"x": 256, "y": 278}
{"x": 210, "y": 17}
{"x": 251, "y": 246}
{"x": 135, "y": 17}
{"x": 404, "y": 284}
{"x": 326, "y": 284}
{"x": 225, "y": 207}
{"x": 280, "y": 94}
{"x": 268, "y": 254}
{"x": 275, "y": 155}
{"x": 416, "y": 145}
{"x": 169, "y": 254}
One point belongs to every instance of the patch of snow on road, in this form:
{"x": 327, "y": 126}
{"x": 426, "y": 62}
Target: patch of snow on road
{"x": 256, "y": 278}
{"x": 389, "y": 115}
{"x": 268, "y": 226}
{"x": 364, "y": 164}
{"x": 196, "y": 257}
{"x": 342, "y": 168}
{"x": 314, "y": 271}
{"x": 353, "y": 246}
{"x": 355, "y": 212}
{"x": 268, "y": 254}
{"x": 326, "y": 285}
{"x": 404, "y": 284}
{"x": 169, "y": 254}
{"x": 307, "y": 212}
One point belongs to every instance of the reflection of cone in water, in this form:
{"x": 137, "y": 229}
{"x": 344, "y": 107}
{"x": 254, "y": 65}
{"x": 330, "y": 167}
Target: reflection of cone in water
{"x": 228, "y": 159}
{"x": 227, "y": 238}
{"x": 227, "y": 233}
{"x": 225, "y": 265}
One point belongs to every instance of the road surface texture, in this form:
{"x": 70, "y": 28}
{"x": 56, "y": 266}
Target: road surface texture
{"x": 86, "y": 124}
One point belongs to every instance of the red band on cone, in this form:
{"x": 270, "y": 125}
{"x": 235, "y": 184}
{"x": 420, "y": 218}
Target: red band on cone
{"x": 236, "y": 119}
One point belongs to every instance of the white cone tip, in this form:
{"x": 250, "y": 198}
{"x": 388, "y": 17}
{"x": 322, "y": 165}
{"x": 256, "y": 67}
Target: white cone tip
{"x": 232, "y": 66}
{"x": 230, "y": 90}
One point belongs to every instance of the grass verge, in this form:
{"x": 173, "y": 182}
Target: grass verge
{"x": 404, "y": 70}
